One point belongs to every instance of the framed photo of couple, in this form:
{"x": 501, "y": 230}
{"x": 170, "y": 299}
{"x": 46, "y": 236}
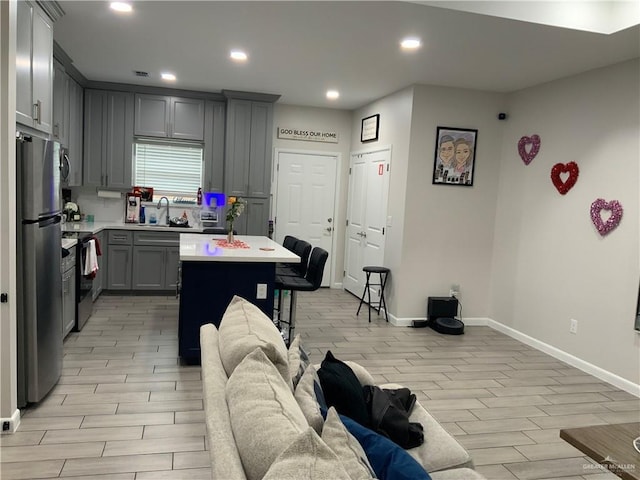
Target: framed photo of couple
{"x": 455, "y": 156}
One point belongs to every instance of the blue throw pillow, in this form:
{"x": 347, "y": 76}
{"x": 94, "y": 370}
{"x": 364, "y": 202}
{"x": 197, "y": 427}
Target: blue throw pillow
{"x": 388, "y": 460}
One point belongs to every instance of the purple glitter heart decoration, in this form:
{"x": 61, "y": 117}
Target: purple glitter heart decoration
{"x": 528, "y": 155}
{"x": 612, "y": 222}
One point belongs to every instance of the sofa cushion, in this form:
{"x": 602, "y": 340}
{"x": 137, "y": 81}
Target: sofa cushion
{"x": 306, "y": 394}
{"x": 459, "y": 474}
{"x": 244, "y": 327}
{"x": 440, "y": 450}
{"x": 225, "y": 460}
{"x": 346, "y": 447}
{"x": 342, "y": 389}
{"x": 389, "y": 460}
{"x": 307, "y": 458}
{"x": 264, "y": 415}
{"x": 298, "y": 360}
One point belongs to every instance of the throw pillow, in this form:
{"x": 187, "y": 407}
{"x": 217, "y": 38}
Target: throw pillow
{"x": 342, "y": 389}
{"x": 244, "y": 327}
{"x": 346, "y": 447}
{"x": 298, "y": 360}
{"x": 389, "y": 461}
{"x": 307, "y": 397}
{"x": 307, "y": 458}
{"x": 264, "y": 415}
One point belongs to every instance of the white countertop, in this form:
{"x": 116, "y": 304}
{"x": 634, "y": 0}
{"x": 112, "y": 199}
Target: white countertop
{"x": 69, "y": 242}
{"x": 95, "y": 227}
{"x": 204, "y": 248}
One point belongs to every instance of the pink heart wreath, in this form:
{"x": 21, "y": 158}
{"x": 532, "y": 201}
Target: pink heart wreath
{"x": 612, "y": 222}
{"x": 528, "y": 155}
{"x": 564, "y": 186}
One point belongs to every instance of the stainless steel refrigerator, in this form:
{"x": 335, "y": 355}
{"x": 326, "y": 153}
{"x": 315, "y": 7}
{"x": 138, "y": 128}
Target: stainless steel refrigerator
{"x": 38, "y": 265}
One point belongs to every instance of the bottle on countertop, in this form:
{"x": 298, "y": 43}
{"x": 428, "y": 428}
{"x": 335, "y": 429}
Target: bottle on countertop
{"x": 199, "y": 196}
{"x": 142, "y": 217}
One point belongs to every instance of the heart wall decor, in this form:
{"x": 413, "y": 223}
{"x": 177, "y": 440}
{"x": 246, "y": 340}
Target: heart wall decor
{"x": 596, "y": 215}
{"x": 533, "y": 145}
{"x": 563, "y": 186}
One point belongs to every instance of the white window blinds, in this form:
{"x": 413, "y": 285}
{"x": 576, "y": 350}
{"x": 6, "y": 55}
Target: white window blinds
{"x": 171, "y": 169}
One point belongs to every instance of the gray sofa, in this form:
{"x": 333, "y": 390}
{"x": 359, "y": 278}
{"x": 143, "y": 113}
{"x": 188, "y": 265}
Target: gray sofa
{"x": 257, "y": 427}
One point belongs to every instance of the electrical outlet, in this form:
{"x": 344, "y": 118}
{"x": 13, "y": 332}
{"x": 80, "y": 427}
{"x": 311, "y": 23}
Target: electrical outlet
{"x": 454, "y": 291}
{"x": 6, "y": 426}
{"x": 261, "y": 291}
{"x": 573, "y": 326}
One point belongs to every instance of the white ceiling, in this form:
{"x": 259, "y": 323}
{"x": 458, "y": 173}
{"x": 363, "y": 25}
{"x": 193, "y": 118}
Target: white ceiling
{"x": 302, "y": 49}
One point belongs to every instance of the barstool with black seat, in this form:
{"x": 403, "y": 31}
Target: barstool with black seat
{"x": 383, "y": 273}
{"x": 302, "y": 248}
{"x": 309, "y": 283}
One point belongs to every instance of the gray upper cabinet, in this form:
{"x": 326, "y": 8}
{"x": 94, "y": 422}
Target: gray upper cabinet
{"x": 76, "y": 103}
{"x": 214, "y": 119}
{"x": 248, "y": 148}
{"x": 34, "y": 67}
{"x": 108, "y": 139}
{"x": 61, "y": 104}
{"x": 169, "y": 117}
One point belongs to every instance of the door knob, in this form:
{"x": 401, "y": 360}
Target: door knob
{"x": 329, "y": 220}
{"x": 328, "y": 229}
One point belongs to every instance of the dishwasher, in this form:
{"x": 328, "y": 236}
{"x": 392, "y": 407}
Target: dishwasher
{"x": 68, "y": 267}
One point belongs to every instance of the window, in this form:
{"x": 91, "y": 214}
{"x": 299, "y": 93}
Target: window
{"x": 172, "y": 169}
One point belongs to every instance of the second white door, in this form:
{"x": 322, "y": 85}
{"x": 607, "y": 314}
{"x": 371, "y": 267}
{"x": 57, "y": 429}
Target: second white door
{"x": 305, "y": 200}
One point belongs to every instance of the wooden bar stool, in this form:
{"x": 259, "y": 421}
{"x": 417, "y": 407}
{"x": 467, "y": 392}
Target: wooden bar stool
{"x": 383, "y": 272}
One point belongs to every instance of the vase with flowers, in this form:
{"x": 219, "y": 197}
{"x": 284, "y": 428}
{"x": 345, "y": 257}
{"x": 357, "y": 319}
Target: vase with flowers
{"x": 236, "y": 207}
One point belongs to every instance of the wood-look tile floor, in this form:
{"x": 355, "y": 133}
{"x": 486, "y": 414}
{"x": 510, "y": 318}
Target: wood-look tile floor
{"x": 125, "y": 408}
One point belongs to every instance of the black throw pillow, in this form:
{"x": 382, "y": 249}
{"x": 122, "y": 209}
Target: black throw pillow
{"x": 342, "y": 389}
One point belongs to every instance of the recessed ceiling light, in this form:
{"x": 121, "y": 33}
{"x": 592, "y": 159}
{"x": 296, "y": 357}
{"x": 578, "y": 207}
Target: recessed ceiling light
{"x": 169, "y": 77}
{"x": 238, "y": 55}
{"x": 410, "y": 43}
{"x": 121, "y": 7}
{"x": 332, "y": 94}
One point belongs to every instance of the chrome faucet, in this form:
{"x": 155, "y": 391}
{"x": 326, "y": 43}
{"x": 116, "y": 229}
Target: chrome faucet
{"x": 160, "y": 206}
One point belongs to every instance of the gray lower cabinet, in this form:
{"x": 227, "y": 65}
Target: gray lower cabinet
{"x": 108, "y": 139}
{"x": 119, "y": 259}
{"x": 156, "y": 257}
{"x": 101, "y": 275}
{"x": 148, "y": 267}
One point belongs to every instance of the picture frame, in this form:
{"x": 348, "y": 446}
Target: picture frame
{"x": 369, "y": 128}
{"x": 455, "y": 156}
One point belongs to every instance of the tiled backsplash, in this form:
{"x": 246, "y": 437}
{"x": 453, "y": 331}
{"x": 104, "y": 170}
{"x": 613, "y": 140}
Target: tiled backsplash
{"x": 112, "y": 209}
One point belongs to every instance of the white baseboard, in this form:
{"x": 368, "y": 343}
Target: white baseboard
{"x": 605, "y": 375}
{"x": 602, "y": 374}
{"x": 13, "y": 422}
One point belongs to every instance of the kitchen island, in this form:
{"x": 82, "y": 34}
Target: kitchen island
{"x": 213, "y": 271}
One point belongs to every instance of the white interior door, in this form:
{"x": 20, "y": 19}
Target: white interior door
{"x": 305, "y": 200}
{"x": 366, "y": 216}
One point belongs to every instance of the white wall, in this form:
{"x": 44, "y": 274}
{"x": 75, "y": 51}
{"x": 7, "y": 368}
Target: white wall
{"x": 549, "y": 262}
{"x": 321, "y": 119}
{"x": 394, "y": 131}
{"x": 8, "y": 388}
{"x": 448, "y": 233}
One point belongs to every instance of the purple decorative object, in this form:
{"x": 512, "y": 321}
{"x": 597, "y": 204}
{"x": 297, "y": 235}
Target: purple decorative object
{"x": 612, "y": 222}
{"x": 528, "y": 155}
